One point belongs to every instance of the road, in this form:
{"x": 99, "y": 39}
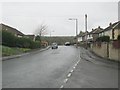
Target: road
{"x": 46, "y": 69}
{"x": 49, "y": 69}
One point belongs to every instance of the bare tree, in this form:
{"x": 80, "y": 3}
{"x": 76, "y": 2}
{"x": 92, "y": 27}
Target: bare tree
{"x": 41, "y": 30}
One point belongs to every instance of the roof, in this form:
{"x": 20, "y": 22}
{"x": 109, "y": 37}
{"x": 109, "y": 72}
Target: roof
{"x": 13, "y": 30}
{"x": 83, "y": 34}
{"x": 115, "y": 25}
{"x": 97, "y": 30}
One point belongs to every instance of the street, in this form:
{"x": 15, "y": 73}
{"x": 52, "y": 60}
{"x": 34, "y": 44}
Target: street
{"x": 49, "y": 69}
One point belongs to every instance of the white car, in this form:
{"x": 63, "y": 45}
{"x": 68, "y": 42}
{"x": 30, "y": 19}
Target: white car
{"x": 54, "y": 46}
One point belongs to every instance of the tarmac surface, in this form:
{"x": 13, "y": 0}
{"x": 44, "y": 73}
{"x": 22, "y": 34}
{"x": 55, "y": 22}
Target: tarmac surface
{"x": 65, "y": 67}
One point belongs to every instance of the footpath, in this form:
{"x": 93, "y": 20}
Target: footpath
{"x": 24, "y": 54}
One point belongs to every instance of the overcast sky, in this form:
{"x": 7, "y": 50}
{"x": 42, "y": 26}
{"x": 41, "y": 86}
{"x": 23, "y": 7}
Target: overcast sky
{"x": 27, "y": 16}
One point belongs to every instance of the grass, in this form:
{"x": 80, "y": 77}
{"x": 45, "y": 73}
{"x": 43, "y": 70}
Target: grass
{"x": 8, "y": 51}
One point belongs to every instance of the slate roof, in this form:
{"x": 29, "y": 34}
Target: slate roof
{"x": 115, "y": 25}
{"x": 97, "y": 30}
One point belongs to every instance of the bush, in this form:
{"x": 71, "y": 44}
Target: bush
{"x": 118, "y": 37}
{"x": 10, "y": 40}
{"x": 103, "y": 39}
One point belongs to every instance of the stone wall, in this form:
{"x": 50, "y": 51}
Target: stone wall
{"x": 106, "y": 50}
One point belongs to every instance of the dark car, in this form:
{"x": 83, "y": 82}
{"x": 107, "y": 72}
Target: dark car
{"x": 67, "y": 43}
{"x": 54, "y": 46}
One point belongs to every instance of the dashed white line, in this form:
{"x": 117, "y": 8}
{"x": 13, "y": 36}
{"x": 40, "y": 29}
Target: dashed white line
{"x": 69, "y": 75}
{"x": 74, "y": 67}
{"x": 62, "y": 86}
{"x": 65, "y": 81}
{"x": 71, "y": 71}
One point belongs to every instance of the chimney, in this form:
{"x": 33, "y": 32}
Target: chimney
{"x": 98, "y": 26}
{"x": 110, "y": 24}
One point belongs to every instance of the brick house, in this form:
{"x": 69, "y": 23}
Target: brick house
{"x": 11, "y": 30}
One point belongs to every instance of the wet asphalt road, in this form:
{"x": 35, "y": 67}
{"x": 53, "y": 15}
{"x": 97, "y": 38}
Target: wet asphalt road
{"x": 50, "y": 68}
{"x": 45, "y": 69}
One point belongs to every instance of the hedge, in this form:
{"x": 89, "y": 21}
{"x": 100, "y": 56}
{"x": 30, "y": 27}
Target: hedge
{"x": 8, "y": 39}
{"x": 118, "y": 37}
{"x": 103, "y": 39}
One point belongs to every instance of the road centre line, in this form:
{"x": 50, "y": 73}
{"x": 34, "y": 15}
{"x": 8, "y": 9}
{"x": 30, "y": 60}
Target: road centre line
{"x": 62, "y": 86}
{"x": 65, "y": 81}
{"x": 71, "y": 71}
{"x": 69, "y": 75}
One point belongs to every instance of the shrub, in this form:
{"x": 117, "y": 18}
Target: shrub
{"x": 10, "y": 40}
{"x": 103, "y": 39}
{"x": 118, "y": 37}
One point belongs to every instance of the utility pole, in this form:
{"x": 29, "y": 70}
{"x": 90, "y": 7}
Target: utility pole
{"x": 86, "y": 29}
{"x": 75, "y": 26}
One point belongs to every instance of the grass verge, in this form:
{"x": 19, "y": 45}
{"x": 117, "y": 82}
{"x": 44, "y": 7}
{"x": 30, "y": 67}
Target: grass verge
{"x": 8, "y": 51}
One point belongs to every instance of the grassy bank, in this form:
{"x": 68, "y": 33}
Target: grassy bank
{"x": 8, "y": 51}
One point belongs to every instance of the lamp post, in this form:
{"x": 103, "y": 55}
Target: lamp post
{"x": 76, "y": 20}
{"x": 51, "y": 36}
{"x": 51, "y": 32}
{"x": 86, "y": 29}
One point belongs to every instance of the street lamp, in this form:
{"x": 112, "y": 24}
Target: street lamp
{"x": 76, "y": 20}
{"x": 51, "y": 35}
{"x": 51, "y": 32}
{"x": 86, "y": 29}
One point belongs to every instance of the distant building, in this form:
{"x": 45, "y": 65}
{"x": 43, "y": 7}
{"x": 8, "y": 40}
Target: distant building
{"x": 11, "y": 30}
{"x": 83, "y": 36}
{"x": 95, "y": 33}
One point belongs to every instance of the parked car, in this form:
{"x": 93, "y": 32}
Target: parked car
{"x": 67, "y": 43}
{"x": 54, "y": 46}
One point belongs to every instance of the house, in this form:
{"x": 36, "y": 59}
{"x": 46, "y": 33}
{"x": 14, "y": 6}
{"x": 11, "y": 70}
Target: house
{"x": 11, "y": 30}
{"x": 82, "y": 36}
{"x": 94, "y": 34}
{"x": 30, "y": 36}
{"x": 113, "y": 30}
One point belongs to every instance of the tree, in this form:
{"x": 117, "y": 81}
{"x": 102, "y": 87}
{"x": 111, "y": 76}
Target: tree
{"x": 40, "y": 31}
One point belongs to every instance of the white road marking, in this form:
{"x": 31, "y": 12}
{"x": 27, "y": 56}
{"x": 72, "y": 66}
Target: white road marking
{"x": 65, "y": 81}
{"x": 69, "y": 75}
{"x": 74, "y": 67}
{"x": 71, "y": 71}
{"x": 62, "y": 86}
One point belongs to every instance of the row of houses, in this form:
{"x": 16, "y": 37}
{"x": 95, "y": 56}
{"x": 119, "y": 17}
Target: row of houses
{"x": 113, "y": 30}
